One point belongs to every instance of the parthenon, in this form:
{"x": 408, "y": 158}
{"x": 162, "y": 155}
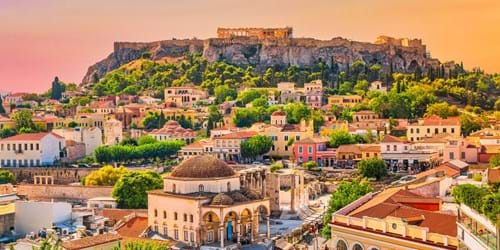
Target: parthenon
{"x": 260, "y": 33}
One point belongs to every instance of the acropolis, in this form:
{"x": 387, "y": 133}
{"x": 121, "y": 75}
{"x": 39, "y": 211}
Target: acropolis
{"x": 260, "y": 33}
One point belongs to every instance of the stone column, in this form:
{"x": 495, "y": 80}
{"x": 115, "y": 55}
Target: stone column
{"x": 256, "y": 221}
{"x": 268, "y": 227}
{"x": 251, "y": 230}
{"x": 221, "y": 236}
{"x": 238, "y": 231}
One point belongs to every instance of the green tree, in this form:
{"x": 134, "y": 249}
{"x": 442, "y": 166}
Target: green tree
{"x": 372, "y": 168}
{"x": 470, "y": 195}
{"x": 297, "y": 111}
{"x": 345, "y": 193}
{"x": 23, "y": 119}
{"x": 154, "y": 120}
{"x": 224, "y": 93}
{"x": 6, "y": 177}
{"x": 146, "y": 139}
{"x": 143, "y": 245}
{"x": 72, "y": 124}
{"x": 7, "y": 132}
{"x": 57, "y": 89}
{"x": 2, "y": 110}
{"x": 105, "y": 176}
{"x": 341, "y": 137}
{"x": 256, "y": 146}
{"x": 491, "y": 206}
{"x": 442, "y": 109}
{"x": 495, "y": 161}
{"x": 469, "y": 124}
{"x": 245, "y": 117}
{"x": 130, "y": 190}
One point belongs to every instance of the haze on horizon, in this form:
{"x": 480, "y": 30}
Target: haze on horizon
{"x": 46, "y": 38}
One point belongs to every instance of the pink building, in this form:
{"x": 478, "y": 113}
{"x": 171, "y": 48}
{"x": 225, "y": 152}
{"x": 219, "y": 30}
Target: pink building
{"x": 459, "y": 149}
{"x": 313, "y": 149}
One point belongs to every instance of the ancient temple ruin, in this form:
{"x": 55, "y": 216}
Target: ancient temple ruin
{"x": 260, "y": 33}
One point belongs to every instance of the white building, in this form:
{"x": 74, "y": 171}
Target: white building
{"x": 403, "y": 155}
{"x": 91, "y": 137}
{"x": 26, "y": 150}
{"x": 475, "y": 231}
{"x": 112, "y": 132}
{"x": 32, "y": 216}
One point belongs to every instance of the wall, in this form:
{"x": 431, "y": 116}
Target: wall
{"x": 62, "y": 192}
{"x": 61, "y": 175}
{"x": 28, "y": 215}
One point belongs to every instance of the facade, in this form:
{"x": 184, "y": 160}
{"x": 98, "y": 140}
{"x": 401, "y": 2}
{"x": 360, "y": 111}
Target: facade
{"x": 459, "y": 148}
{"x": 112, "y": 132}
{"x": 83, "y": 120}
{"x": 172, "y": 130}
{"x": 314, "y": 149}
{"x": 313, "y": 92}
{"x": 393, "y": 219}
{"x": 203, "y": 147}
{"x": 29, "y": 150}
{"x": 204, "y": 202}
{"x": 364, "y": 115}
{"x": 184, "y": 96}
{"x": 401, "y": 155}
{"x": 475, "y": 231}
{"x": 350, "y": 154}
{"x": 228, "y": 147}
{"x": 431, "y": 126}
{"x": 28, "y": 217}
{"x": 344, "y": 101}
{"x": 283, "y": 133}
{"x": 377, "y": 86}
{"x": 91, "y": 137}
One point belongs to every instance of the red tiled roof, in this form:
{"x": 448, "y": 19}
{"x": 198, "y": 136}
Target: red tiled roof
{"x": 115, "y": 214}
{"x": 91, "y": 241}
{"x": 30, "y": 137}
{"x": 449, "y": 171}
{"x": 435, "y": 120}
{"x": 134, "y": 227}
{"x": 312, "y": 140}
{"x": 238, "y": 135}
{"x": 279, "y": 113}
{"x": 391, "y": 138}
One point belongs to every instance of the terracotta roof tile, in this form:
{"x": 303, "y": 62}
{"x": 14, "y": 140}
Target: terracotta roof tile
{"x": 238, "y": 135}
{"x": 133, "y": 227}
{"x": 30, "y": 137}
{"x": 91, "y": 241}
{"x": 391, "y": 138}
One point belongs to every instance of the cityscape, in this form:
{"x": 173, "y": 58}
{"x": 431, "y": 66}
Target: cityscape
{"x": 256, "y": 137}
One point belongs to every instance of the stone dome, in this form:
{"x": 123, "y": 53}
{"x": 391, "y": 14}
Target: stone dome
{"x": 279, "y": 113}
{"x": 202, "y": 166}
{"x": 252, "y": 194}
{"x": 238, "y": 196}
{"x": 222, "y": 199}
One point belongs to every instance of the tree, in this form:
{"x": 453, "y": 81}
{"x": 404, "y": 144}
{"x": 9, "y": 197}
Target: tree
{"x": 469, "y": 124}
{"x": 7, "y": 132}
{"x": 470, "y": 195}
{"x": 143, "y": 245}
{"x": 245, "y": 117}
{"x": 442, "y": 109}
{"x": 340, "y": 137}
{"x": 491, "y": 206}
{"x": 154, "y": 120}
{"x": 72, "y": 124}
{"x": 345, "y": 193}
{"x": 2, "y": 110}
{"x": 310, "y": 165}
{"x": 495, "y": 161}
{"x": 372, "y": 168}
{"x": 146, "y": 139}
{"x": 295, "y": 112}
{"x": 224, "y": 93}
{"x": 57, "y": 89}
{"x": 6, "y": 177}
{"x": 130, "y": 190}
{"x": 105, "y": 176}
{"x": 256, "y": 146}
{"x": 23, "y": 119}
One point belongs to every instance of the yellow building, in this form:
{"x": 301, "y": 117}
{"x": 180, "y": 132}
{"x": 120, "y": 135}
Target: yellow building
{"x": 283, "y": 134}
{"x": 344, "y": 101}
{"x": 431, "y": 126}
{"x": 396, "y": 218}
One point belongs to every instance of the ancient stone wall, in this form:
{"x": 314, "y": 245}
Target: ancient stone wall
{"x": 260, "y": 33}
{"x": 62, "y": 192}
{"x": 60, "y": 175}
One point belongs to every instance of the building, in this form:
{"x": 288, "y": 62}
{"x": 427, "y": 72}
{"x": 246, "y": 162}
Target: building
{"x": 259, "y": 33}
{"x": 202, "y": 147}
{"x": 90, "y": 136}
{"x": 350, "y": 154}
{"x": 283, "y": 134}
{"x": 106, "y": 241}
{"x": 401, "y": 155}
{"x": 313, "y": 93}
{"x": 30, "y": 150}
{"x": 344, "y": 101}
{"x": 112, "y": 132}
{"x": 395, "y": 218}
{"x": 204, "y": 202}
{"x": 459, "y": 148}
{"x": 185, "y": 96}
{"x": 314, "y": 149}
{"x": 83, "y": 120}
{"x": 431, "y": 126}
{"x": 377, "y": 86}
{"x": 364, "y": 115}
{"x": 475, "y": 231}
{"x": 172, "y": 130}
{"x": 29, "y": 217}
{"x": 228, "y": 147}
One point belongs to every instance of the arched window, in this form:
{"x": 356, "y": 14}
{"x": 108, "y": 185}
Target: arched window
{"x": 156, "y": 213}
{"x": 175, "y": 215}
{"x": 229, "y": 186}
{"x": 341, "y": 245}
{"x": 185, "y": 217}
{"x": 164, "y": 214}
{"x": 210, "y": 218}
{"x": 173, "y": 188}
{"x": 201, "y": 188}
{"x": 191, "y": 218}
{"x": 357, "y": 246}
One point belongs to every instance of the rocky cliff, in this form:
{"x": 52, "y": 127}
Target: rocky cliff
{"x": 264, "y": 53}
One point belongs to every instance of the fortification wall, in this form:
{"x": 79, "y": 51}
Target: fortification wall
{"x": 62, "y": 192}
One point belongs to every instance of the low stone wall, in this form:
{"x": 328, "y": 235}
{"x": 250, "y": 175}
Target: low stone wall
{"x": 61, "y": 175}
{"x": 62, "y": 192}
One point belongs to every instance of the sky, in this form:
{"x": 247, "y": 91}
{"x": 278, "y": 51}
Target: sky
{"x": 41, "y": 39}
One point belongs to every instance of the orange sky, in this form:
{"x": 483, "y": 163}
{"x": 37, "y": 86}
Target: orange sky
{"x": 44, "y": 38}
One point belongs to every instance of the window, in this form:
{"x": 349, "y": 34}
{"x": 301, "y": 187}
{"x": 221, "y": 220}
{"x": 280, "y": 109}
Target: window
{"x": 452, "y": 130}
{"x": 309, "y": 149}
{"x": 210, "y": 236}
{"x": 176, "y": 234}
{"x": 173, "y": 188}
{"x": 185, "y": 217}
{"x": 286, "y": 138}
{"x": 191, "y": 218}
{"x": 37, "y": 146}
{"x": 229, "y": 186}
{"x": 175, "y": 215}
{"x": 156, "y": 213}
{"x": 300, "y": 149}
{"x": 395, "y": 147}
{"x": 436, "y": 131}
{"x": 341, "y": 245}
{"x": 186, "y": 235}
{"x": 388, "y": 147}
{"x": 165, "y": 230}
{"x": 411, "y": 131}
{"x": 357, "y": 247}
{"x": 156, "y": 228}
{"x": 452, "y": 156}
{"x": 418, "y": 131}
{"x": 444, "y": 130}
{"x": 463, "y": 155}
{"x": 297, "y": 138}
{"x": 209, "y": 218}
{"x": 201, "y": 188}
{"x": 191, "y": 237}
{"x": 164, "y": 214}
{"x": 428, "y": 130}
